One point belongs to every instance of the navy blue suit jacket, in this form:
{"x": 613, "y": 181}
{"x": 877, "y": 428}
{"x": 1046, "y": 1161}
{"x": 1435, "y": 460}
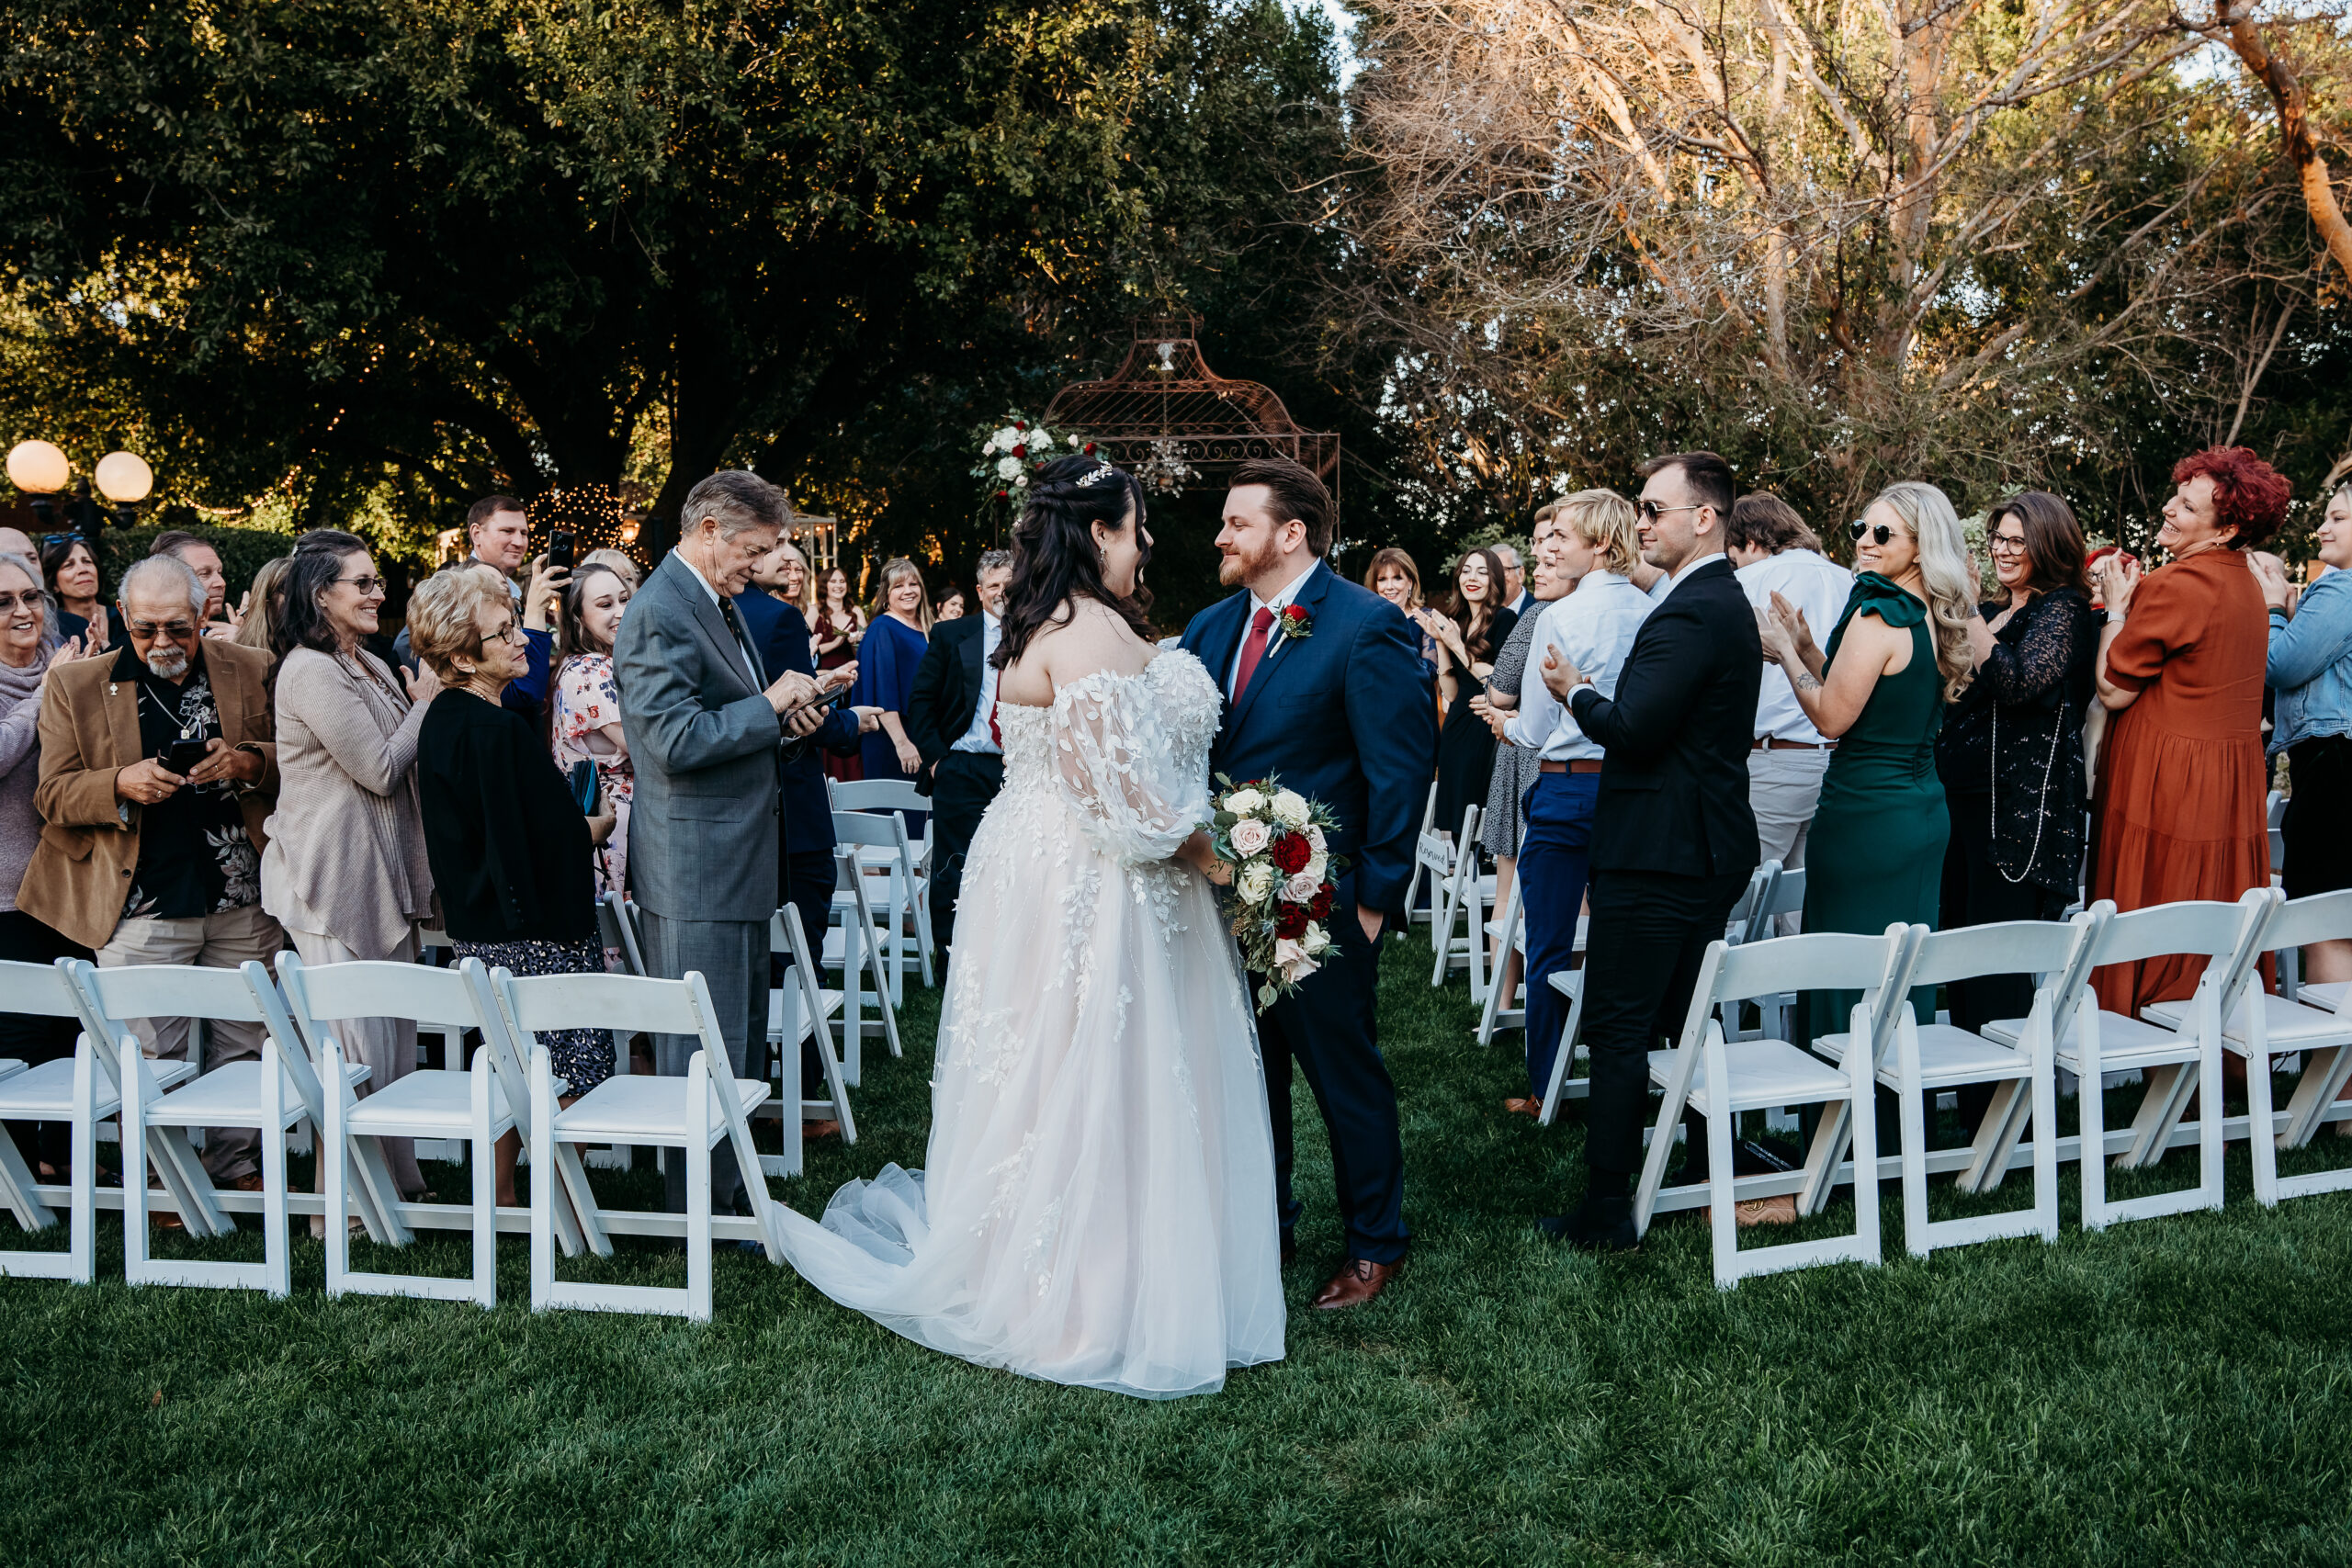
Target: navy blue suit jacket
{"x": 779, "y": 635}
{"x": 1342, "y": 716}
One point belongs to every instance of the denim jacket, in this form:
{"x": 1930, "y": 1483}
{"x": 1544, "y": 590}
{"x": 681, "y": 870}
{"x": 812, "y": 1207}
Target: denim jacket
{"x": 2310, "y": 665}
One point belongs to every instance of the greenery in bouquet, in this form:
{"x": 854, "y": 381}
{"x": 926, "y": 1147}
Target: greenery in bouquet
{"x": 1012, "y": 453}
{"x": 1284, "y": 879}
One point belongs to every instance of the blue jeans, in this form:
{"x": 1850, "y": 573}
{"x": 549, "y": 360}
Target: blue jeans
{"x": 1553, "y": 861}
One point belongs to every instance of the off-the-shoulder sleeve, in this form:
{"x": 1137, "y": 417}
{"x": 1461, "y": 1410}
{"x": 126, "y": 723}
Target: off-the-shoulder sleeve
{"x": 1118, "y": 767}
{"x": 2169, "y": 610}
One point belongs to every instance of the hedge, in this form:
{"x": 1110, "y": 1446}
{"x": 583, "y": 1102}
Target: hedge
{"x": 243, "y": 552}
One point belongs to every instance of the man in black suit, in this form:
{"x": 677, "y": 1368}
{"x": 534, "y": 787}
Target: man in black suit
{"x": 951, "y": 717}
{"x": 1674, "y": 841}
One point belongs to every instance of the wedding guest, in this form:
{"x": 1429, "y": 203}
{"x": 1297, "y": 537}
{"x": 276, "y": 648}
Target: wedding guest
{"x": 2310, "y": 668}
{"x": 2181, "y": 660}
{"x": 2010, "y": 755}
{"x": 1772, "y": 552}
{"x": 951, "y": 606}
{"x": 1673, "y": 838}
{"x": 1467, "y": 635}
{"x": 888, "y": 654}
{"x": 17, "y": 542}
{"x": 258, "y": 611}
{"x": 201, "y": 558}
{"x": 1503, "y": 824}
{"x": 588, "y": 706}
{"x": 72, "y": 569}
{"x": 509, "y": 849}
{"x": 703, "y": 733}
{"x": 499, "y": 532}
{"x": 952, "y": 717}
{"x": 143, "y": 864}
{"x": 345, "y": 871}
{"x": 28, "y": 652}
{"x": 1395, "y": 577}
{"x": 1899, "y": 653}
{"x": 836, "y": 627}
{"x": 1597, "y": 544}
{"x": 618, "y": 562}
{"x": 1516, "y": 597}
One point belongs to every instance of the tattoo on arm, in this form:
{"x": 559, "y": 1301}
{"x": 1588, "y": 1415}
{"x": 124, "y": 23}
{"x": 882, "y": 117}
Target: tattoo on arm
{"x": 1807, "y": 681}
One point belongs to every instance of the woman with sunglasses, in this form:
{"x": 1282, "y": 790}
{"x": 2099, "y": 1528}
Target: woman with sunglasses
{"x": 2011, "y": 752}
{"x": 345, "y": 871}
{"x": 1899, "y": 653}
{"x": 2180, "y": 668}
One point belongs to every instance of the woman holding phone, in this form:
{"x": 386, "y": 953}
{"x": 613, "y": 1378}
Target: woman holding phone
{"x": 588, "y": 706}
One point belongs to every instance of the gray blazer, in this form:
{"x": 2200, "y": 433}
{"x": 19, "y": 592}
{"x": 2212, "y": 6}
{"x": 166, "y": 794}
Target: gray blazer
{"x": 702, "y": 840}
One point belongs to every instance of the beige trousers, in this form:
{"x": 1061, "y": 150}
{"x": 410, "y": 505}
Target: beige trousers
{"x": 221, "y": 941}
{"x": 1783, "y": 788}
{"x": 386, "y": 1046}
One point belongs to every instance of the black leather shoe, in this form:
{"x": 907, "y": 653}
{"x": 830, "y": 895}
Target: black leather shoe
{"x": 1290, "y": 1249}
{"x": 1599, "y": 1224}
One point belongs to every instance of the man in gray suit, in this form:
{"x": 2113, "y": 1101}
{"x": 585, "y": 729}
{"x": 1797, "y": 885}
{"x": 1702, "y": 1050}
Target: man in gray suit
{"x": 705, "y": 726}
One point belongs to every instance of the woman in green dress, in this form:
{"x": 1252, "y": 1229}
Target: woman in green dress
{"x": 1899, "y": 653}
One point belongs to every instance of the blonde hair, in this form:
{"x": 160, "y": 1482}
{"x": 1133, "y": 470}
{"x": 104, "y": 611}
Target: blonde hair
{"x": 894, "y": 569}
{"x": 441, "y": 621}
{"x": 1606, "y": 522}
{"x": 1929, "y": 516}
{"x": 618, "y": 562}
{"x": 269, "y": 587}
{"x": 1388, "y": 556}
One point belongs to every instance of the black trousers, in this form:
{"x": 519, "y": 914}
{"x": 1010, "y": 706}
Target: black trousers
{"x": 33, "y": 1041}
{"x": 1976, "y": 894}
{"x": 1328, "y": 1027}
{"x": 1648, "y": 936}
{"x": 807, "y": 880}
{"x": 962, "y": 786}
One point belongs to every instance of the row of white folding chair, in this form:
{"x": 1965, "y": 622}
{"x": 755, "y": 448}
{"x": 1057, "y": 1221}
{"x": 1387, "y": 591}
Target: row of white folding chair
{"x": 886, "y": 862}
{"x": 1432, "y": 858}
{"x": 799, "y": 1009}
{"x": 853, "y": 944}
{"x": 1461, "y": 900}
{"x": 911, "y": 859}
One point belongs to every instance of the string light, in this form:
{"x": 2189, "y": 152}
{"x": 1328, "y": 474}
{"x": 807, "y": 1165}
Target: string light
{"x": 593, "y": 513}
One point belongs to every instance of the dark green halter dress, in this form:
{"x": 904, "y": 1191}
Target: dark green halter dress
{"x": 1876, "y": 852}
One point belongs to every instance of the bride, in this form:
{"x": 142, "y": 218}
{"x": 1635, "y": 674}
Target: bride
{"x": 1097, "y": 1206}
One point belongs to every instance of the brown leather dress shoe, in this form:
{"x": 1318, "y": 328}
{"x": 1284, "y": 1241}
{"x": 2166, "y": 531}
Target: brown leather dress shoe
{"x": 829, "y": 1128}
{"x": 1357, "y": 1281}
{"x": 1525, "y": 1106}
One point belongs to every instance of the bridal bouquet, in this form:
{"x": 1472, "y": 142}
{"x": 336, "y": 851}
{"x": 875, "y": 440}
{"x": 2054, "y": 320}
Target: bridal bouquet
{"x": 1283, "y": 879}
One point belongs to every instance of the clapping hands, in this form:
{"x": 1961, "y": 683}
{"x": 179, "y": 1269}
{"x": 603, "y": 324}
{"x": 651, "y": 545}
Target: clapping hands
{"x": 1784, "y": 632}
{"x": 2271, "y": 575}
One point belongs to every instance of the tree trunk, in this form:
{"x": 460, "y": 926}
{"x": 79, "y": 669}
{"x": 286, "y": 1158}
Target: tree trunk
{"x": 2295, "y": 141}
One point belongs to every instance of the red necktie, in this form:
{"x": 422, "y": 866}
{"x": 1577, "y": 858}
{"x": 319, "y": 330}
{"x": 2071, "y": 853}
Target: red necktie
{"x": 994, "y": 733}
{"x": 1253, "y": 649}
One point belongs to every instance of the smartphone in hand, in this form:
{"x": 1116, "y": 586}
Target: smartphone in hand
{"x": 182, "y": 756}
{"x": 563, "y": 548}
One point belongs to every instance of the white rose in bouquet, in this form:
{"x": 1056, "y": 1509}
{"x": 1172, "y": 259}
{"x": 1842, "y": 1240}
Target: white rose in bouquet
{"x": 1315, "y": 839}
{"x": 1317, "y": 942}
{"x": 1008, "y": 467}
{"x": 1251, "y": 837}
{"x": 1005, "y": 439}
{"x": 1242, "y": 801}
{"x": 1302, "y": 888}
{"x": 1257, "y": 882}
{"x": 1316, "y": 865}
{"x": 1291, "y": 958}
{"x": 1020, "y": 481}
{"x": 1290, "y": 808}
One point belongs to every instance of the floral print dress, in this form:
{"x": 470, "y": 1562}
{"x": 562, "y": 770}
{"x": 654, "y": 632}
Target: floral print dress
{"x": 588, "y": 698}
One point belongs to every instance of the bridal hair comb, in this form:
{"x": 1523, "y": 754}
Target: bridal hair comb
{"x": 1099, "y": 475}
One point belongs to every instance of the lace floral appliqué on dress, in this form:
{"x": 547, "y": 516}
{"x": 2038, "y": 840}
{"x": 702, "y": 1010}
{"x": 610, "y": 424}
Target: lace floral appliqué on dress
{"x": 1097, "y": 1206}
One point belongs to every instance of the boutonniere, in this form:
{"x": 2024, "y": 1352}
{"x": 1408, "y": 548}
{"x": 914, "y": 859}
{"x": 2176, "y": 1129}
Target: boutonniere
{"x": 1294, "y": 625}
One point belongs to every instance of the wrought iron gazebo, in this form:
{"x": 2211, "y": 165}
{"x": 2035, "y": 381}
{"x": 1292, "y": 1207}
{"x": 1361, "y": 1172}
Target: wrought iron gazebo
{"x": 1169, "y": 418}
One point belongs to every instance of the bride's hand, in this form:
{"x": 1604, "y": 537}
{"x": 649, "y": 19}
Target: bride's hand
{"x": 1196, "y": 852}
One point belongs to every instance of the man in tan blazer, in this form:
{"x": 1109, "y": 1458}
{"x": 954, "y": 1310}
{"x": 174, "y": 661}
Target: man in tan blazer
{"x": 140, "y": 862}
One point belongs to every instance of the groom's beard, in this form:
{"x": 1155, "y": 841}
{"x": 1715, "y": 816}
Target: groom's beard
{"x": 1242, "y": 566}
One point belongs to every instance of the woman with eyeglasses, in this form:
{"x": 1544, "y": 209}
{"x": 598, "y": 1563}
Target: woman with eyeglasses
{"x": 510, "y": 848}
{"x": 2181, "y": 659}
{"x": 2011, "y": 752}
{"x": 72, "y": 571}
{"x": 1900, "y": 652}
{"x": 345, "y": 871}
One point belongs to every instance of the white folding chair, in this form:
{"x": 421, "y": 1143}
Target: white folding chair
{"x": 892, "y": 871}
{"x": 1743, "y": 925}
{"x": 849, "y": 945}
{"x": 896, "y": 797}
{"x": 2264, "y": 1028}
{"x": 1926, "y": 1058}
{"x": 272, "y": 1096}
{"x": 476, "y": 1107}
{"x": 1430, "y": 854}
{"x": 796, "y": 1009}
{"x": 692, "y": 1113}
{"x": 1785, "y": 897}
{"x": 2176, "y": 1064}
{"x": 1508, "y": 932}
{"x": 1720, "y": 1079}
{"x": 1454, "y": 894}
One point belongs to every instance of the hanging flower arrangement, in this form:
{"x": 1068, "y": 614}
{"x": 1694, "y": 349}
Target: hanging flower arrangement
{"x": 1012, "y": 453}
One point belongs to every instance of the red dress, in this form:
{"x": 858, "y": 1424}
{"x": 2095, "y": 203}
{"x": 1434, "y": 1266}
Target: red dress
{"x": 2180, "y": 793}
{"x": 851, "y": 769}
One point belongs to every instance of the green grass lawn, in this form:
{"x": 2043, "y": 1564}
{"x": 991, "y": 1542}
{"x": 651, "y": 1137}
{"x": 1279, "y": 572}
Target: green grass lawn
{"x": 2171, "y": 1392}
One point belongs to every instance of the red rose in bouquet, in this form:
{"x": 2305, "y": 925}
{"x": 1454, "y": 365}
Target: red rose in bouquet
{"x": 1290, "y": 853}
{"x": 1320, "y": 907}
{"x": 1290, "y": 921}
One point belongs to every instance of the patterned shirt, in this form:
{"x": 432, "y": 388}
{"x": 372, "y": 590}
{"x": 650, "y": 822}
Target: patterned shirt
{"x": 195, "y": 856}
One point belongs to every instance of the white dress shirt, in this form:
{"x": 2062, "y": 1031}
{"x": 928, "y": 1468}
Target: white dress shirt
{"x": 750, "y": 670}
{"x": 1819, "y": 587}
{"x": 1593, "y": 628}
{"x": 977, "y": 738}
{"x": 1278, "y": 604}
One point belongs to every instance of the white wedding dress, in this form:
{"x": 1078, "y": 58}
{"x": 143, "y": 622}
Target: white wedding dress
{"x": 1097, "y": 1206}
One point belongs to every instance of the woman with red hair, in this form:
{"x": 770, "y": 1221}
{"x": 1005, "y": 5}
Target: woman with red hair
{"x": 2180, "y": 668}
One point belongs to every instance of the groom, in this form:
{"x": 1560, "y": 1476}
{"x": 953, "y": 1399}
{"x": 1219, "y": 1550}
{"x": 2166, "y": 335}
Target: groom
{"x": 1323, "y": 688}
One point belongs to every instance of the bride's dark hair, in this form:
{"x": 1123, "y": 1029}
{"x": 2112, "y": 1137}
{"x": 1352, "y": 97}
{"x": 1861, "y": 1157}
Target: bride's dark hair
{"x": 1055, "y": 560}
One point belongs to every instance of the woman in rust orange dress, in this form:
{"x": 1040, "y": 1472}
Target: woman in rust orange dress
{"x": 2180, "y": 668}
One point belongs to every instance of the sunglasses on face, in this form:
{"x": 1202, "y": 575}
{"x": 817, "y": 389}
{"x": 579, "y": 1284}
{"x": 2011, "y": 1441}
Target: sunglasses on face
{"x": 1651, "y": 511}
{"x": 175, "y": 631}
{"x": 1879, "y": 532}
{"x": 366, "y": 585}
